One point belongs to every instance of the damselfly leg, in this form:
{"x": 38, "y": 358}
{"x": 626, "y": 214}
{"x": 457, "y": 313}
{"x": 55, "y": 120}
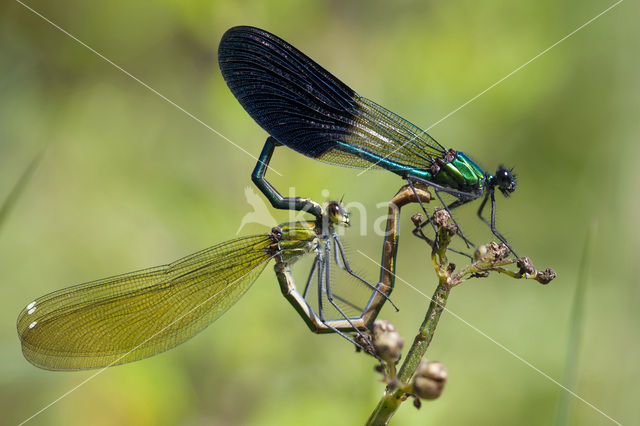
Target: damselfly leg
{"x": 462, "y": 196}
{"x": 462, "y": 199}
{"x": 492, "y": 225}
{"x": 343, "y": 263}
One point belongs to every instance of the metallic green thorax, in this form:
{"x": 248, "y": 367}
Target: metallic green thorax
{"x": 460, "y": 173}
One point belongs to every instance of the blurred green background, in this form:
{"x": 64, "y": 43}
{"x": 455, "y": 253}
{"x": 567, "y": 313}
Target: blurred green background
{"x": 127, "y": 181}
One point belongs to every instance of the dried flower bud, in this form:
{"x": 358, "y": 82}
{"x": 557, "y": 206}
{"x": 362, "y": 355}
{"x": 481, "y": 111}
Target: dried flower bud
{"x": 363, "y": 342}
{"x": 429, "y": 380}
{"x": 417, "y": 219}
{"x": 545, "y": 277}
{"x": 492, "y": 252}
{"x": 502, "y": 252}
{"x": 387, "y": 342}
{"x": 451, "y": 228}
{"x": 526, "y": 266}
{"x": 441, "y": 217}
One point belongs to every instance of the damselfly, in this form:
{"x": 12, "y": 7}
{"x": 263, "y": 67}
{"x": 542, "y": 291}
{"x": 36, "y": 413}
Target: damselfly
{"x": 136, "y": 315}
{"x": 303, "y": 106}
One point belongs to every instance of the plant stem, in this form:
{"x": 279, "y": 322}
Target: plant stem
{"x": 385, "y": 409}
{"x": 426, "y": 332}
{"x": 491, "y": 257}
{"x": 392, "y": 398}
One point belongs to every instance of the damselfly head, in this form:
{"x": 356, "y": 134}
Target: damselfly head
{"x": 505, "y": 180}
{"x": 337, "y": 214}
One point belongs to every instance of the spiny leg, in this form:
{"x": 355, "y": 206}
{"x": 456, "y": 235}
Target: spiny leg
{"x": 340, "y": 264}
{"x": 302, "y": 305}
{"x": 321, "y": 274}
{"x": 321, "y": 266}
{"x": 492, "y": 225}
{"x": 272, "y": 194}
{"x": 418, "y": 233}
{"x": 466, "y": 241}
{"x": 421, "y": 205}
{"x": 418, "y": 230}
{"x": 463, "y": 198}
{"x": 327, "y": 287}
{"x": 451, "y": 206}
{"x": 468, "y": 196}
{"x": 337, "y": 252}
{"x": 347, "y": 302}
{"x": 461, "y": 195}
{"x": 358, "y": 345}
{"x": 347, "y": 267}
{"x": 310, "y": 278}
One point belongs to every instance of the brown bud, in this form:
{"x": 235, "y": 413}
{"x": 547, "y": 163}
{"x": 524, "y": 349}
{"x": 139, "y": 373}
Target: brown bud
{"x": 429, "y": 380}
{"x": 363, "y": 342}
{"x": 451, "y": 228}
{"x": 417, "y": 219}
{"x": 492, "y": 252}
{"x": 441, "y": 217}
{"x": 387, "y": 342}
{"x": 502, "y": 252}
{"x": 545, "y": 277}
{"x": 526, "y": 266}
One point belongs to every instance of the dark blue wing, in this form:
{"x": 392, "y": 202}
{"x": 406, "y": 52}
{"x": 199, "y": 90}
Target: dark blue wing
{"x": 308, "y": 109}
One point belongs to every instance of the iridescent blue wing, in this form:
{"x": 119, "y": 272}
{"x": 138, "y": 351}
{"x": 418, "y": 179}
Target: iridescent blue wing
{"x": 308, "y": 109}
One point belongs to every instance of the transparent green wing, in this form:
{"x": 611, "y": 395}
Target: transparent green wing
{"x": 136, "y": 315}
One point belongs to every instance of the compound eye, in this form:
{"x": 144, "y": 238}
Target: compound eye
{"x": 333, "y": 209}
{"x": 505, "y": 180}
{"x": 337, "y": 214}
{"x": 503, "y": 177}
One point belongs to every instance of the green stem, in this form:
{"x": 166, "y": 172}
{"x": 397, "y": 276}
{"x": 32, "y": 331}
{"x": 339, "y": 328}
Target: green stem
{"x": 391, "y": 400}
{"x": 395, "y": 395}
{"x": 386, "y": 408}
{"x": 426, "y": 332}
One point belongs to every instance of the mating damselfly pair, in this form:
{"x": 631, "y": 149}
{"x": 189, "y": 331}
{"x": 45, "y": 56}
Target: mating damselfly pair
{"x": 304, "y": 107}
{"x": 136, "y": 315}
